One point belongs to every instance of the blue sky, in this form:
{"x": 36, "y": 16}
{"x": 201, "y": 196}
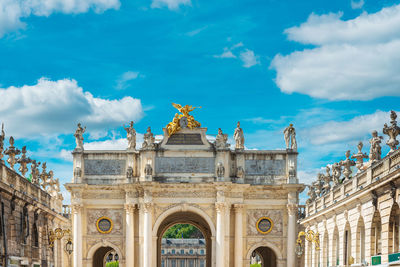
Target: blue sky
{"x": 329, "y": 67}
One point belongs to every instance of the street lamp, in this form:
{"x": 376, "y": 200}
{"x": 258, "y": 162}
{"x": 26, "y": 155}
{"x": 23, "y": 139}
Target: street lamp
{"x": 309, "y": 236}
{"x": 57, "y": 234}
{"x": 116, "y": 257}
{"x": 69, "y": 247}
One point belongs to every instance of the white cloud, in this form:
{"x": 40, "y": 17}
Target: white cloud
{"x": 126, "y": 77}
{"x": 12, "y": 11}
{"x": 249, "y": 59}
{"x": 226, "y": 54}
{"x": 354, "y": 59}
{"x": 66, "y": 155}
{"x": 49, "y": 108}
{"x": 357, "y": 4}
{"x": 171, "y": 4}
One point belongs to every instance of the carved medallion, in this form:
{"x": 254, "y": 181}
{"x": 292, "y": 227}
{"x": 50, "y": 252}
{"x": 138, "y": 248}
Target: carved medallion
{"x": 264, "y": 225}
{"x": 104, "y": 225}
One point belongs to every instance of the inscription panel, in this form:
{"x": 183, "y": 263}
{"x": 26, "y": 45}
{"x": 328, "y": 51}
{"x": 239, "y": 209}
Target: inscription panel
{"x": 104, "y": 167}
{"x": 265, "y": 167}
{"x": 185, "y": 139}
{"x": 184, "y": 165}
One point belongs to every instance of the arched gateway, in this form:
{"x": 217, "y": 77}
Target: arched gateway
{"x": 239, "y": 199}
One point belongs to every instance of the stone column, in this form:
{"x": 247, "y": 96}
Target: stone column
{"x": 77, "y": 213}
{"x": 147, "y": 244}
{"x": 220, "y": 259}
{"x": 291, "y": 234}
{"x": 238, "y": 208}
{"x": 129, "y": 235}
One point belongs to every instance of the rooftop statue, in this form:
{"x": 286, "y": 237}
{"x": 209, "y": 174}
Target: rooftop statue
{"x": 221, "y": 140}
{"x": 2, "y": 137}
{"x": 360, "y": 156}
{"x": 290, "y": 137}
{"x": 148, "y": 139}
{"x": 375, "y": 150}
{"x": 311, "y": 193}
{"x": 336, "y": 173}
{"x": 239, "y": 137}
{"x": 23, "y": 161}
{"x": 327, "y": 178}
{"x": 392, "y": 131}
{"x": 11, "y": 152}
{"x": 79, "y": 137}
{"x": 35, "y": 172}
{"x": 184, "y": 120}
{"x": 131, "y": 136}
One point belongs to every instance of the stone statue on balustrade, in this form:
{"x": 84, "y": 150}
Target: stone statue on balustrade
{"x": 239, "y": 137}
{"x": 148, "y": 170}
{"x": 11, "y": 152}
{"x": 23, "y": 161}
{"x": 375, "y": 150}
{"x": 221, "y": 140}
{"x": 318, "y": 184}
{"x": 360, "y": 156}
{"x": 148, "y": 140}
{"x": 336, "y": 173}
{"x": 392, "y": 131}
{"x": 290, "y": 137}
{"x": 311, "y": 194}
{"x": 35, "y": 172}
{"x": 327, "y": 178}
{"x": 44, "y": 176}
{"x": 2, "y": 138}
{"x": 347, "y": 164}
{"x": 79, "y": 137}
{"x": 131, "y": 136}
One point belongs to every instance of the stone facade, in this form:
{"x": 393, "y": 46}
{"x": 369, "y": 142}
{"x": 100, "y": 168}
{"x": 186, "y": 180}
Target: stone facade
{"x": 185, "y": 178}
{"x": 183, "y": 252}
{"x": 358, "y": 217}
{"x": 28, "y": 212}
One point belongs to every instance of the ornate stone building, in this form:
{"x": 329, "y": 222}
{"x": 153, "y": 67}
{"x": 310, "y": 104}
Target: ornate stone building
{"x": 189, "y": 252}
{"x": 357, "y": 215}
{"x": 30, "y": 212}
{"x": 243, "y": 201}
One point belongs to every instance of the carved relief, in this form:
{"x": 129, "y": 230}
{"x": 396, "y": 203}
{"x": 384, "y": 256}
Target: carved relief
{"x": 115, "y": 215}
{"x": 254, "y": 215}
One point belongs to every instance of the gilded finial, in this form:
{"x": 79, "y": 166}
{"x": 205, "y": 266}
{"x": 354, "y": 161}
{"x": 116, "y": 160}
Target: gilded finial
{"x": 184, "y": 120}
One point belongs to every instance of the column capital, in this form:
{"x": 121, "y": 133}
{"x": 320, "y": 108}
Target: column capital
{"x": 129, "y": 207}
{"x": 238, "y": 207}
{"x": 220, "y": 206}
{"x": 147, "y": 206}
{"x": 292, "y": 208}
{"x": 76, "y": 208}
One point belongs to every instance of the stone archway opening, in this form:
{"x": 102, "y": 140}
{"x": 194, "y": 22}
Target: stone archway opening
{"x": 185, "y": 218}
{"x": 263, "y": 257}
{"x": 103, "y": 255}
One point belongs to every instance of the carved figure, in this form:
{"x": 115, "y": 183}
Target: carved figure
{"x": 129, "y": 172}
{"x": 44, "y": 176}
{"x": 375, "y": 150}
{"x": 221, "y": 140}
{"x": 131, "y": 136}
{"x": 290, "y": 137}
{"x": 35, "y": 172}
{"x": 11, "y": 152}
{"x": 392, "y": 131}
{"x": 23, "y": 161}
{"x": 220, "y": 170}
{"x": 148, "y": 139}
{"x": 318, "y": 185}
{"x": 184, "y": 120}
{"x": 336, "y": 173}
{"x": 240, "y": 172}
{"x": 77, "y": 172}
{"x": 79, "y": 137}
{"x": 347, "y": 164}
{"x": 360, "y": 156}
{"x": 148, "y": 170}
{"x": 311, "y": 194}
{"x": 239, "y": 137}
{"x": 2, "y": 138}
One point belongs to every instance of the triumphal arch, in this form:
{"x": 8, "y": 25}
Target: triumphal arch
{"x": 245, "y": 202}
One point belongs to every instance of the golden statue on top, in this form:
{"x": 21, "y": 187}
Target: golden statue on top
{"x": 184, "y": 120}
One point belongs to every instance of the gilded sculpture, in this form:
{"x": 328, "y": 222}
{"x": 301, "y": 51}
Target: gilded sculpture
{"x": 184, "y": 120}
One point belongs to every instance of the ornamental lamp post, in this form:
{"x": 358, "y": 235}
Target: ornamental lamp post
{"x": 309, "y": 236}
{"x": 69, "y": 247}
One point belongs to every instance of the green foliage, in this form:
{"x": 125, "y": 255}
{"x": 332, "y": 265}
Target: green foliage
{"x": 255, "y": 265}
{"x": 112, "y": 264}
{"x": 183, "y": 230}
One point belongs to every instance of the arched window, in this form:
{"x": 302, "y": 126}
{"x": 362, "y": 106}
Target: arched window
{"x": 35, "y": 236}
{"x": 394, "y": 229}
{"x": 360, "y": 241}
{"x": 376, "y": 230}
{"x": 347, "y": 244}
